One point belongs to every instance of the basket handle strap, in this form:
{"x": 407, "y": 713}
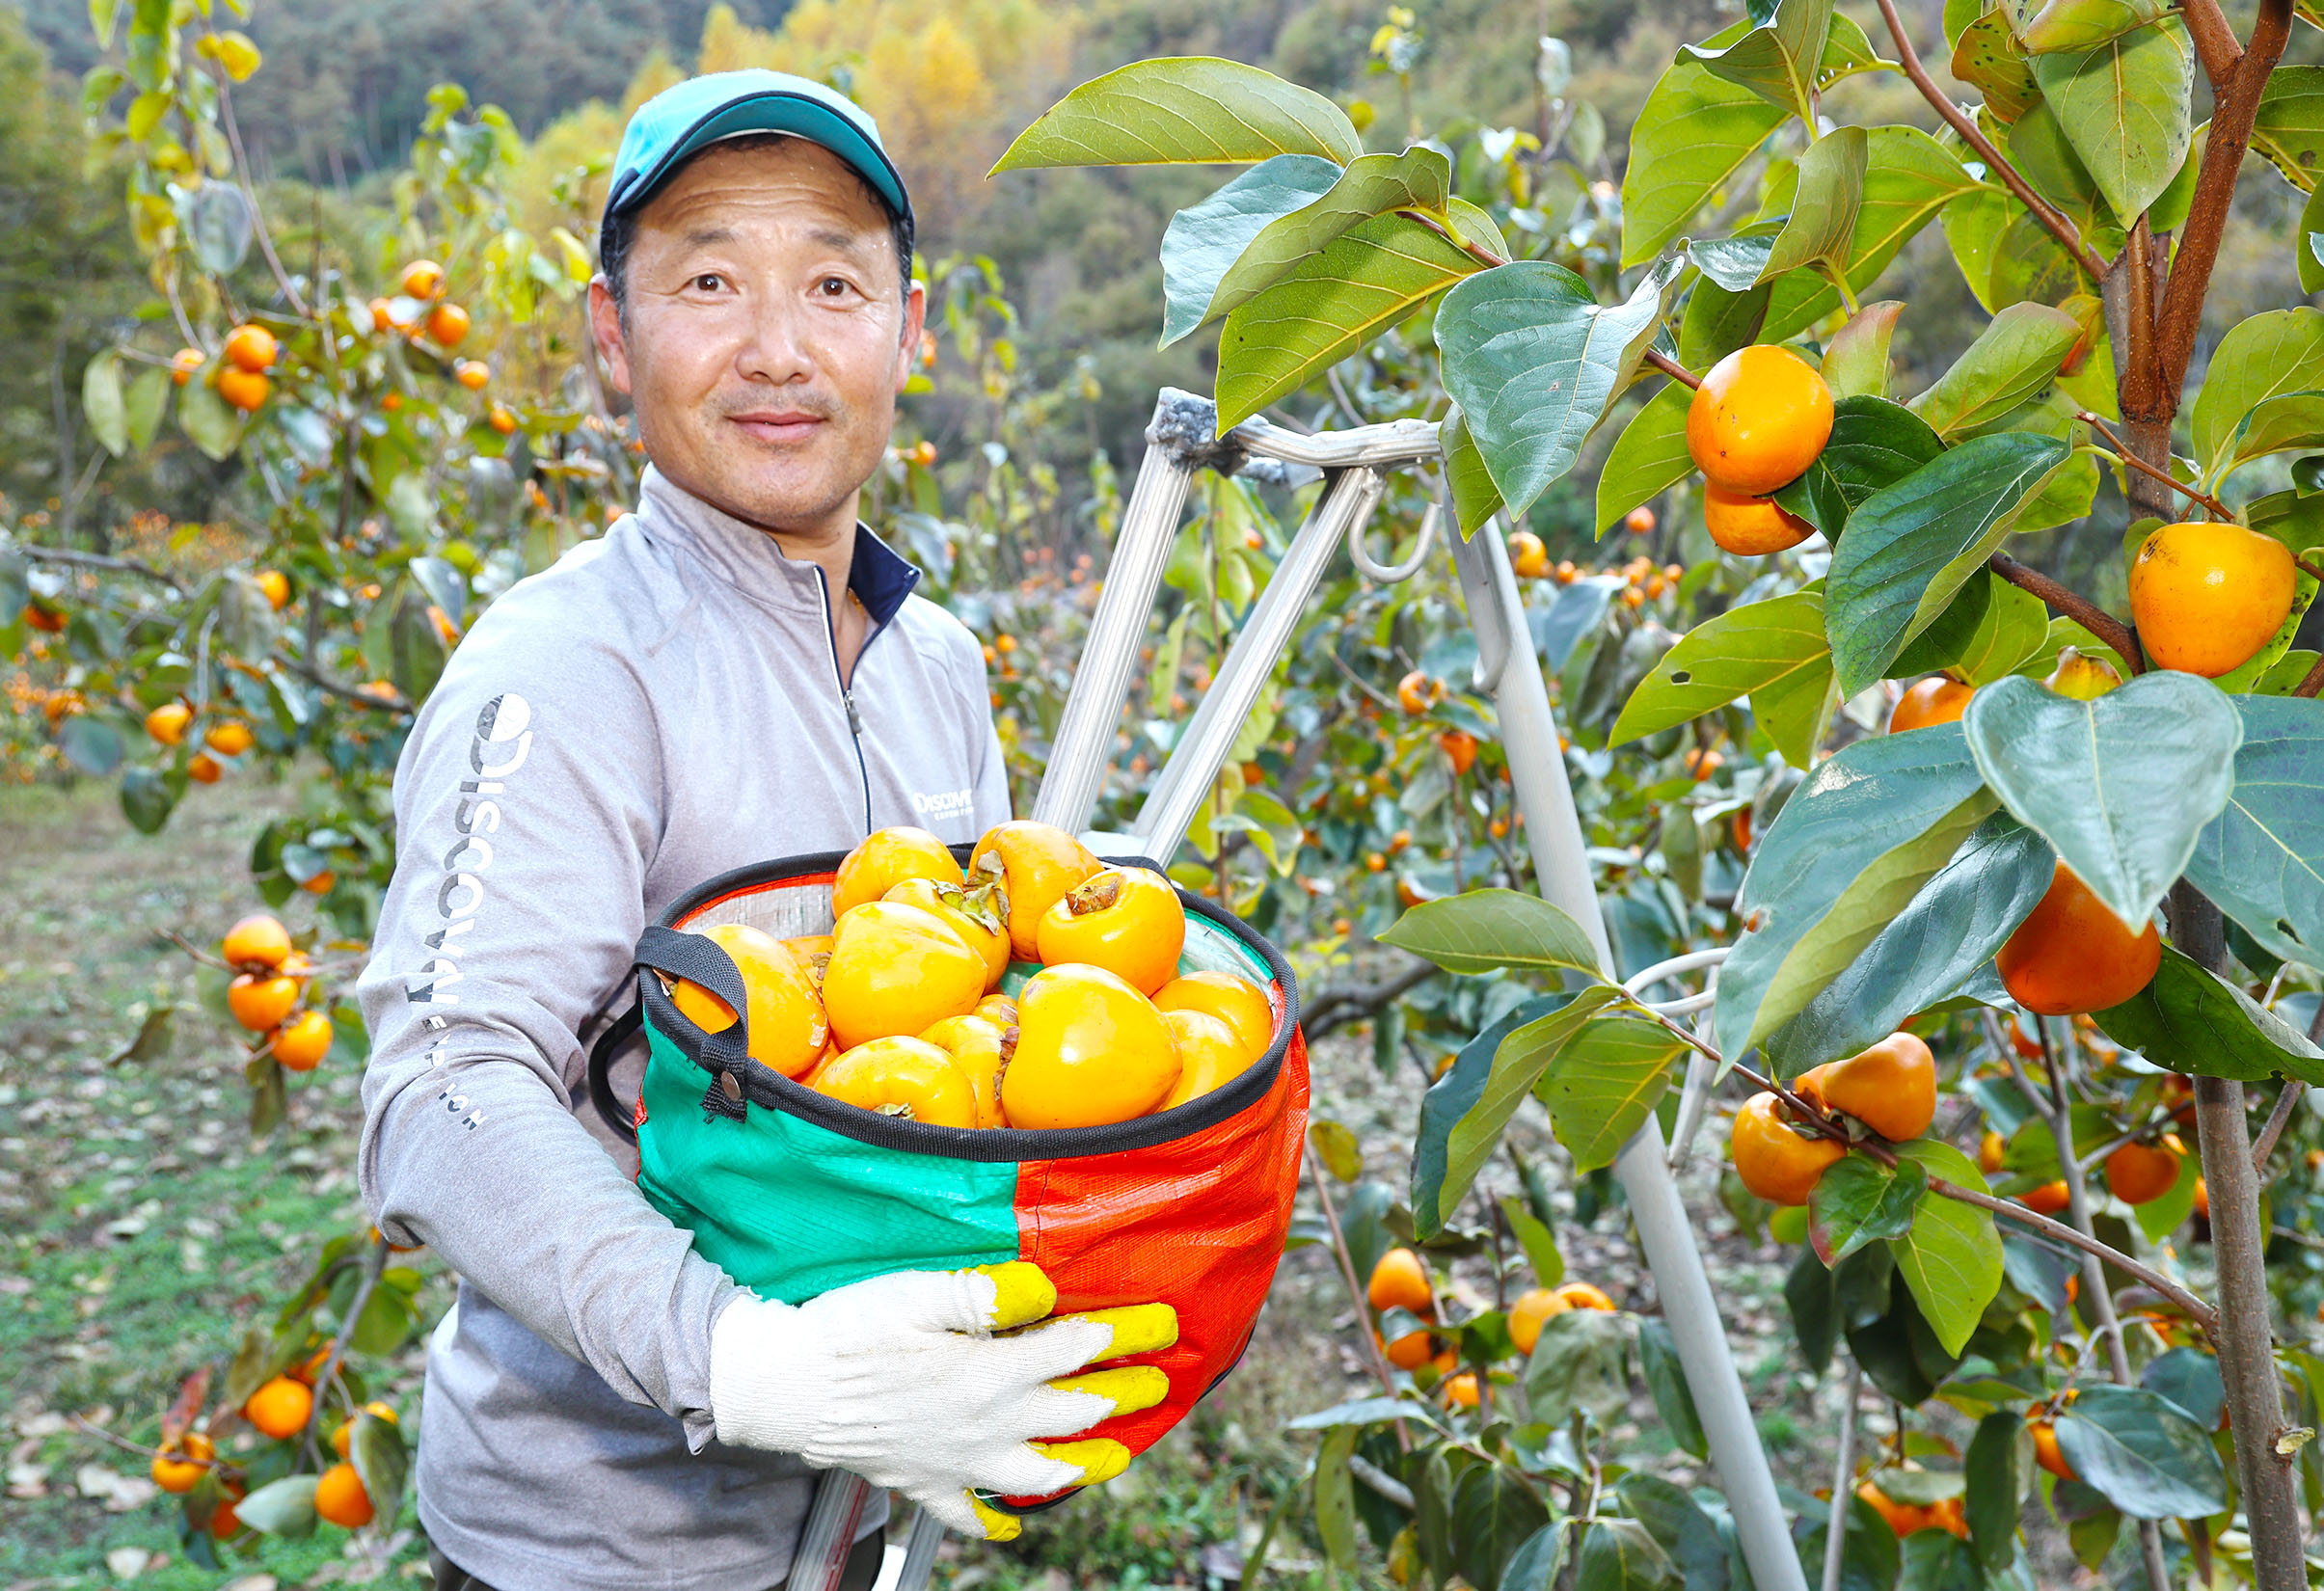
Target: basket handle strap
{"x": 699, "y": 960}
{"x": 608, "y": 1043}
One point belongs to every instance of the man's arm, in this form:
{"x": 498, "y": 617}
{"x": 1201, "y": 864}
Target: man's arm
{"x": 527, "y": 806}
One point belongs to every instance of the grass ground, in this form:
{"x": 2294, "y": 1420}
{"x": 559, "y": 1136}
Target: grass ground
{"x": 144, "y": 1233}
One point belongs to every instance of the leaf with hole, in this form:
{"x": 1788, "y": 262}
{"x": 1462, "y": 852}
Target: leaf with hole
{"x": 1187, "y": 109}
{"x": 2121, "y": 786}
{"x": 1912, "y": 543}
{"x": 1535, "y": 361}
{"x": 1853, "y": 844}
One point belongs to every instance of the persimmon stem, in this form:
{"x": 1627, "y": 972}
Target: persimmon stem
{"x": 2052, "y": 220}
{"x": 1672, "y": 368}
{"x": 2075, "y": 606}
{"x": 2309, "y": 568}
{"x": 375, "y": 1264}
{"x": 1475, "y": 251}
{"x": 2123, "y": 455}
{"x": 2277, "y": 1120}
{"x": 2312, "y": 682}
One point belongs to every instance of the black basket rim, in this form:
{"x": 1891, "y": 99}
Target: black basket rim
{"x": 769, "y": 1089}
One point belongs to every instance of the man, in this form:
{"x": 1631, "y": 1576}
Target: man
{"x": 737, "y": 671}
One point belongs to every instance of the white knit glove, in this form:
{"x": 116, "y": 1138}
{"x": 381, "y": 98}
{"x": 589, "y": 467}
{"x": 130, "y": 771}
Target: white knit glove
{"x": 901, "y": 1380}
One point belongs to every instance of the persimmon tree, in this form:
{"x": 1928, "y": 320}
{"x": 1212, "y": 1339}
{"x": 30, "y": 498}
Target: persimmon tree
{"x": 2089, "y": 773}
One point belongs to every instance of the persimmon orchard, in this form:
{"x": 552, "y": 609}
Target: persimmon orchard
{"x": 1919, "y": 803}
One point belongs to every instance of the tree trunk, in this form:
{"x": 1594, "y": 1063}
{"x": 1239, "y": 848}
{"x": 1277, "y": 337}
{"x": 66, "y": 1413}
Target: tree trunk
{"x": 2246, "y": 1342}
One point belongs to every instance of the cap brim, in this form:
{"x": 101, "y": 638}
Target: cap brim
{"x": 770, "y": 111}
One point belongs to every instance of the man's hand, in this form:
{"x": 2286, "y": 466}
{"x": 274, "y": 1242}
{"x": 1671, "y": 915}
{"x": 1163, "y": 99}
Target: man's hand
{"x": 901, "y": 1380}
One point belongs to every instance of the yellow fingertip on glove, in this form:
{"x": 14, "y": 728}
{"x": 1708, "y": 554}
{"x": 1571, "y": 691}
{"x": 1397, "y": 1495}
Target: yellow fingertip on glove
{"x": 1138, "y": 1327}
{"x": 998, "y": 1526}
{"x": 1129, "y": 1389}
{"x": 1022, "y": 1293}
{"x": 1100, "y": 1459}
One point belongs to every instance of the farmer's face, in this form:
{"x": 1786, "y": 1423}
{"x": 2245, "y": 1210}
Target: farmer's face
{"x": 767, "y": 334}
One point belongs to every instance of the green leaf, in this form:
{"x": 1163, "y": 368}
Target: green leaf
{"x": 1734, "y": 264}
{"x": 1849, "y": 849}
{"x": 1998, "y": 1468}
{"x": 1449, "y": 1102}
{"x": 1579, "y": 1362}
{"x": 1858, "y": 1200}
{"x": 2263, "y": 859}
{"x": 1603, "y": 1079}
{"x": 2119, "y": 786}
{"x": 1990, "y": 58}
{"x": 1205, "y": 240}
{"x": 147, "y": 800}
{"x": 1911, "y": 545}
{"x": 2082, "y": 24}
{"x": 102, "y": 14}
{"x": 1329, "y": 307}
{"x": 1771, "y": 646}
{"x": 1476, "y": 499}
{"x": 2262, "y": 356}
{"x": 283, "y": 1507}
{"x": 207, "y": 421}
{"x": 1537, "y": 1239}
{"x": 1495, "y": 1511}
{"x": 1952, "y": 1256}
{"x": 2308, "y": 235}
{"x": 1825, "y": 204}
{"x": 2290, "y": 129}
{"x": 1855, "y": 361}
{"x": 1952, "y": 929}
{"x": 1649, "y": 457}
{"x": 1777, "y": 60}
{"x": 381, "y": 1461}
{"x": 1418, "y": 179}
{"x": 1937, "y": 1560}
{"x": 90, "y": 744}
{"x": 1675, "y": 1520}
{"x": 103, "y": 405}
{"x": 1535, "y": 361}
{"x": 147, "y": 399}
{"x": 2189, "y": 1378}
{"x": 1619, "y": 1554}
{"x": 1485, "y": 929}
{"x": 2283, "y": 424}
{"x": 1989, "y": 631}
{"x": 2197, "y": 1023}
{"x": 1536, "y": 1565}
{"x": 1691, "y": 135}
{"x": 2124, "y": 106}
{"x": 1874, "y": 443}
{"x": 1973, "y": 224}
{"x": 1667, "y": 1380}
{"x": 1517, "y": 1067}
{"x": 1716, "y": 323}
{"x": 1337, "y": 1148}
{"x": 1185, "y": 109}
{"x": 2141, "y": 1452}
{"x": 1335, "y": 1496}
{"x": 2013, "y": 359}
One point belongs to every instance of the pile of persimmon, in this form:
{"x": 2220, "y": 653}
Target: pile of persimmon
{"x": 1888, "y": 1091}
{"x": 270, "y": 974}
{"x": 1758, "y": 420}
{"x": 899, "y": 1008}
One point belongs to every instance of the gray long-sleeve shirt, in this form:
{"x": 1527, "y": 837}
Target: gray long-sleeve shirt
{"x": 662, "y": 705}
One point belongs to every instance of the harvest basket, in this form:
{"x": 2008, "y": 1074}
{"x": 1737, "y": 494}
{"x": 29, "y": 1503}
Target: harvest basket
{"x": 793, "y": 1193}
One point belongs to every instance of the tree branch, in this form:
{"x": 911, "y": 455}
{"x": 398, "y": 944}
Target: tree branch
{"x": 2052, "y": 220}
{"x": 2277, "y": 1120}
{"x": 2233, "y": 118}
{"x": 96, "y": 561}
{"x": 1355, "y": 1291}
{"x": 2074, "y": 606}
{"x": 249, "y": 195}
{"x": 323, "y": 682}
{"x": 1336, "y": 1007}
{"x": 2312, "y": 682}
{"x": 2219, "y": 510}
{"x": 2214, "y": 41}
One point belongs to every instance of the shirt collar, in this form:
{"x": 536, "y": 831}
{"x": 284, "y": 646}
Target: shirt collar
{"x": 754, "y": 562}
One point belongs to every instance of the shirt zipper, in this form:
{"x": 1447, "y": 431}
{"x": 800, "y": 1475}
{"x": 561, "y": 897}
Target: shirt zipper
{"x": 846, "y": 691}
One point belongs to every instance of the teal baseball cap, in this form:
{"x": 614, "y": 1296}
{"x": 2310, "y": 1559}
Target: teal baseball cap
{"x": 686, "y": 118}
